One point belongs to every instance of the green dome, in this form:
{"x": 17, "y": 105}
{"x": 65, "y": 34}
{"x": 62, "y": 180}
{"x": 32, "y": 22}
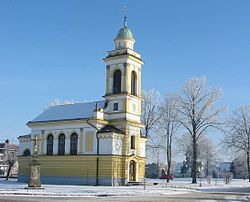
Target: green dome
{"x": 124, "y": 33}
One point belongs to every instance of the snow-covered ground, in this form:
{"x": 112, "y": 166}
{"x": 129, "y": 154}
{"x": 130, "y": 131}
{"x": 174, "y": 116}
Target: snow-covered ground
{"x": 154, "y": 187}
{"x": 201, "y": 183}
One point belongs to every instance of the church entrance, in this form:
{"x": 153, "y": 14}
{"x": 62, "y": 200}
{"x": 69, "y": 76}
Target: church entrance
{"x": 132, "y": 171}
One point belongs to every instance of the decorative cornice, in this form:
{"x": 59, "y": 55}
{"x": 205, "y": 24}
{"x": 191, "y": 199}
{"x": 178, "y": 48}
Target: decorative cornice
{"x": 110, "y": 135}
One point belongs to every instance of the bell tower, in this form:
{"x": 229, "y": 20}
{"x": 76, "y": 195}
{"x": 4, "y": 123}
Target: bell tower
{"x": 123, "y": 78}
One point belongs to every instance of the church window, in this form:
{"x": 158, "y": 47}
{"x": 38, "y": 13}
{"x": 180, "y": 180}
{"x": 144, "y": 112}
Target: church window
{"x": 133, "y": 83}
{"x": 115, "y": 106}
{"x": 50, "y": 144}
{"x": 26, "y": 152}
{"x": 117, "y": 82}
{"x": 61, "y": 144}
{"x": 132, "y": 142}
{"x": 73, "y": 144}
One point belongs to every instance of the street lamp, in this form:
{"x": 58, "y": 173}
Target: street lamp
{"x": 200, "y": 168}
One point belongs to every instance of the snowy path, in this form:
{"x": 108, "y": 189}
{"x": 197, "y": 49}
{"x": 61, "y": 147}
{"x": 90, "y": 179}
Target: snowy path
{"x": 12, "y": 187}
{"x": 177, "y": 186}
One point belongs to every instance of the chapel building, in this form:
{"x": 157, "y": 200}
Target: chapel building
{"x": 94, "y": 143}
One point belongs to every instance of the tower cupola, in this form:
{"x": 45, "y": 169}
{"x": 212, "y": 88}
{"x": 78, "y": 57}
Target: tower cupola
{"x": 124, "y": 38}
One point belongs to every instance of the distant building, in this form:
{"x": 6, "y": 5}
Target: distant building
{"x": 8, "y": 156}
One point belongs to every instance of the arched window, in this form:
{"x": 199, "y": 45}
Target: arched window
{"x": 61, "y": 144}
{"x": 26, "y": 152}
{"x": 133, "y": 83}
{"x": 50, "y": 144}
{"x": 73, "y": 144}
{"x": 117, "y": 82}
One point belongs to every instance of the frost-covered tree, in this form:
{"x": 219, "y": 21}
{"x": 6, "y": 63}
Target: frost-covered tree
{"x": 150, "y": 111}
{"x": 207, "y": 152}
{"x": 168, "y": 126}
{"x": 198, "y": 113}
{"x": 237, "y": 137}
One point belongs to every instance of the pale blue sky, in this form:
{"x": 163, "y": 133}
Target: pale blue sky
{"x": 54, "y": 50}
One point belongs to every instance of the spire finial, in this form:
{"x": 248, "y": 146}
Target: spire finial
{"x": 125, "y": 21}
{"x": 125, "y": 10}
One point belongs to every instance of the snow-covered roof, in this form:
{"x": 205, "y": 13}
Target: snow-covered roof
{"x": 69, "y": 112}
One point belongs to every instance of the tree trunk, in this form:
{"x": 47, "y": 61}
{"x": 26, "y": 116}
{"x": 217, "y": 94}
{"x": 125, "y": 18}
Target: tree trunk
{"x": 248, "y": 165}
{"x": 207, "y": 169}
{"x": 168, "y": 171}
{"x": 194, "y": 162}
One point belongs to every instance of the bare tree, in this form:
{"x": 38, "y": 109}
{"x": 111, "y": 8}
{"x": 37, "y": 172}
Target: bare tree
{"x": 207, "y": 154}
{"x": 238, "y": 135}
{"x": 150, "y": 112}
{"x": 150, "y": 117}
{"x": 197, "y": 113}
{"x": 168, "y": 125}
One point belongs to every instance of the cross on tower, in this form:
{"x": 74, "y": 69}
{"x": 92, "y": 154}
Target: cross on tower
{"x": 125, "y": 10}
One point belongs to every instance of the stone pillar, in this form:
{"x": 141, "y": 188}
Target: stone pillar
{"x": 55, "y": 147}
{"x": 34, "y": 181}
{"x": 108, "y": 87}
{"x": 42, "y": 143}
{"x": 67, "y": 145}
{"x": 80, "y": 151}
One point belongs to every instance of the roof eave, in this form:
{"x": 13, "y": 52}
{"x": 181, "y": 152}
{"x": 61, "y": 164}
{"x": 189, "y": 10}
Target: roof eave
{"x": 47, "y": 121}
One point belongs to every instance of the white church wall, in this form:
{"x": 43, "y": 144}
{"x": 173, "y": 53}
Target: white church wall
{"x": 86, "y": 132}
{"x": 23, "y": 145}
{"x": 133, "y": 131}
{"x": 117, "y": 147}
{"x": 133, "y": 117}
{"x": 67, "y": 130}
{"x": 105, "y": 145}
{"x": 59, "y": 126}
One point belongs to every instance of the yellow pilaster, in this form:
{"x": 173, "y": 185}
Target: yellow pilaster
{"x": 139, "y": 82}
{"x": 125, "y": 66}
{"x": 89, "y": 141}
{"x": 108, "y": 80}
{"x": 81, "y": 141}
{"x": 42, "y": 143}
{"x": 128, "y": 78}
